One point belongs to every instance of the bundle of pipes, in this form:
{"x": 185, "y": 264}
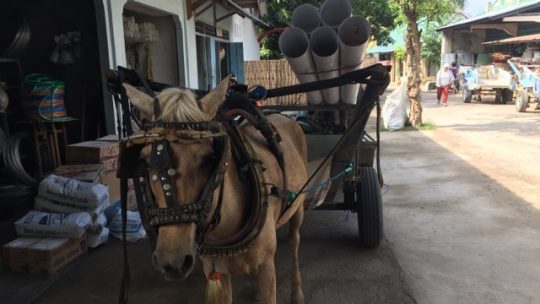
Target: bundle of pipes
{"x": 324, "y": 44}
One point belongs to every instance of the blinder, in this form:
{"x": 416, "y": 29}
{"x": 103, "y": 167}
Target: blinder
{"x": 163, "y": 171}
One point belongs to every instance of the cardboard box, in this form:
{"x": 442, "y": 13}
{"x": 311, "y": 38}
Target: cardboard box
{"x": 42, "y": 255}
{"x": 85, "y": 173}
{"x": 110, "y": 164}
{"x": 111, "y": 137}
{"x": 110, "y": 180}
{"x": 91, "y": 152}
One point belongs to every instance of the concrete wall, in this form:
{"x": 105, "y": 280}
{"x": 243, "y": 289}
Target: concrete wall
{"x": 456, "y": 41}
{"x": 245, "y": 29}
{"x": 115, "y": 30}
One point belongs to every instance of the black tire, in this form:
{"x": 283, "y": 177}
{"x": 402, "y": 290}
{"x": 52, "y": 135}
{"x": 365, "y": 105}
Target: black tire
{"x": 507, "y": 96}
{"x": 467, "y": 95}
{"x": 369, "y": 208}
{"x": 522, "y": 100}
{"x": 498, "y": 96}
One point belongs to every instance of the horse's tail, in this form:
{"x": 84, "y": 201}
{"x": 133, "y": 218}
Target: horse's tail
{"x": 215, "y": 293}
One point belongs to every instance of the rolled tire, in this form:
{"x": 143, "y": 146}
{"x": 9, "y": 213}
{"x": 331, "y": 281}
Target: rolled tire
{"x": 369, "y": 208}
{"x": 522, "y": 100}
{"x": 467, "y": 95}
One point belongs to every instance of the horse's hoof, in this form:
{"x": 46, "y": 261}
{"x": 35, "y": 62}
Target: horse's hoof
{"x": 297, "y": 300}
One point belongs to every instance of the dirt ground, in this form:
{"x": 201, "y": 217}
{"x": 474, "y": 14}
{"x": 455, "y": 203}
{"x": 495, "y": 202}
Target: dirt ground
{"x": 462, "y": 225}
{"x": 462, "y": 203}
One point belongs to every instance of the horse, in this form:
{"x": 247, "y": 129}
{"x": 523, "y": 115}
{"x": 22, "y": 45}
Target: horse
{"x": 177, "y": 244}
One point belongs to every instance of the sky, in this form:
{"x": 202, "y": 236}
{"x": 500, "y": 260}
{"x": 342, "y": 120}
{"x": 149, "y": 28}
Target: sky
{"x": 475, "y": 7}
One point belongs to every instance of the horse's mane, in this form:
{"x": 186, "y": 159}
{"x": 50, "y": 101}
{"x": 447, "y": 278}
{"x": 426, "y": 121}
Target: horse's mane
{"x": 180, "y": 105}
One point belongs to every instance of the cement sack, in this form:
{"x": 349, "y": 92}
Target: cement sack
{"x": 394, "y": 110}
{"x": 134, "y": 228}
{"x": 43, "y": 204}
{"x": 36, "y": 223}
{"x": 70, "y": 191}
{"x": 94, "y": 240}
{"x": 97, "y": 225}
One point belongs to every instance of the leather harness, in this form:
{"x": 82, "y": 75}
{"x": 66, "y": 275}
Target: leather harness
{"x": 227, "y": 141}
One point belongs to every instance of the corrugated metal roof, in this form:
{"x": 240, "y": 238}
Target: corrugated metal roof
{"x": 518, "y": 39}
{"x": 397, "y": 36}
{"x": 492, "y": 16}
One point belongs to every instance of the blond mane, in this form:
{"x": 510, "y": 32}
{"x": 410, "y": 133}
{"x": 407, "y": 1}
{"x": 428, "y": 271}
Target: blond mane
{"x": 180, "y": 105}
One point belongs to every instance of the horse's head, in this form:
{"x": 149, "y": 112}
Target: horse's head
{"x": 191, "y": 165}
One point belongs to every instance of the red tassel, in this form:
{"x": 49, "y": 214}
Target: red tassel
{"x": 214, "y": 276}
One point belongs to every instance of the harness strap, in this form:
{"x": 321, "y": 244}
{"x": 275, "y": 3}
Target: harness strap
{"x": 261, "y": 123}
{"x": 124, "y": 287}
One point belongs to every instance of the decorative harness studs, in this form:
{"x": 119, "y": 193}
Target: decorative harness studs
{"x": 196, "y": 212}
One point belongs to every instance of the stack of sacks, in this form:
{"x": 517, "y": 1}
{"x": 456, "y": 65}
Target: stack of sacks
{"x": 69, "y": 196}
{"x": 134, "y": 228}
{"x": 325, "y": 43}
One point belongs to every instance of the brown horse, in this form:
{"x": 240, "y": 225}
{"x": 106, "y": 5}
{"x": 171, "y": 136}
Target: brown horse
{"x": 176, "y": 244}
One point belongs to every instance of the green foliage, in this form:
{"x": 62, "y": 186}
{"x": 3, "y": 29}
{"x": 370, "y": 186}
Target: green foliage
{"x": 424, "y": 10}
{"x": 377, "y": 12}
{"x": 431, "y": 43}
{"x": 399, "y": 52}
{"x": 381, "y": 17}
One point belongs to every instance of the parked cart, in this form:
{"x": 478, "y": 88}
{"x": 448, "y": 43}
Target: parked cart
{"x": 527, "y": 85}
{"x": 487, "y": 78}
{"x": 345, "y": 151}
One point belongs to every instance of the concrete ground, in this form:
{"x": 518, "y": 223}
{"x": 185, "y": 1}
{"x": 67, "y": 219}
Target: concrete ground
{"x": 461, "y": 206}
{"x": 461, "y": 226}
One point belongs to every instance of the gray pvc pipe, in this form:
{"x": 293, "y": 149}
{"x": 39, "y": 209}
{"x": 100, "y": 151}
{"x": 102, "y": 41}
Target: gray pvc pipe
{"x": 354, "y": 34}
{"x": 333, "y": 12}
{"x": 294, "y": 44}
{"x": 324, "y": 46}
{"x": 306, "y": 17}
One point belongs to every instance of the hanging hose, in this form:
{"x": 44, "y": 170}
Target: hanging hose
{"x": 11, "y": 155}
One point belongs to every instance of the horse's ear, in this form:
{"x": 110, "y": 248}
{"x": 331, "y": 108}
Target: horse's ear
{"x": 140, "y": 100}
{"x": 211, "y": 102}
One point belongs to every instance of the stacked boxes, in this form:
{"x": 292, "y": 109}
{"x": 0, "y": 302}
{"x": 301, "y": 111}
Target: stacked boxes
{"x": 102, "y": 151}
{"x": 42, "y": 255}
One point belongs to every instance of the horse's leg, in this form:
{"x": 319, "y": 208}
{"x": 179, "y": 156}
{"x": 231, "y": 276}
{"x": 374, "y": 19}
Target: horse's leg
{"x": 266, "y": 278}
{"x": 297, "y": 297}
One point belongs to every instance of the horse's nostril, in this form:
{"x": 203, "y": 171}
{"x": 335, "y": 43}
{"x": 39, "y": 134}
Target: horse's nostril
{"x": 170, "y": 268}
{"x": 188, "y": 263}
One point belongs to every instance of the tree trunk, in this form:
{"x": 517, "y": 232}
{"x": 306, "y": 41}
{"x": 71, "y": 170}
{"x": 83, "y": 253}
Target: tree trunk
{"x": 414, "y": 74}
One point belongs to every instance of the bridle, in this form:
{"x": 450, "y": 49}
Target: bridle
{"x": 161, "y": 165}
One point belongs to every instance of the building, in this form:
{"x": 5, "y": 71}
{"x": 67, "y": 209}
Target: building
{"x": 465, "y": 41}
{"x": 191, "y": 43}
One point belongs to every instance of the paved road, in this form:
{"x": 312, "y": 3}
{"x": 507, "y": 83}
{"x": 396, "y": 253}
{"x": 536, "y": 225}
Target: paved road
{"x": 462, "y": 204}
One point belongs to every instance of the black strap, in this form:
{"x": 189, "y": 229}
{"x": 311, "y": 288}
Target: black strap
{"x": 378, "y": 143}
{"x": 124, "y": 288}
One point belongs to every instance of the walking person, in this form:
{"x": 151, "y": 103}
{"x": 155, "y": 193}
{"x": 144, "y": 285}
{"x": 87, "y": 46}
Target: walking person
{"x": 445, "y": 78}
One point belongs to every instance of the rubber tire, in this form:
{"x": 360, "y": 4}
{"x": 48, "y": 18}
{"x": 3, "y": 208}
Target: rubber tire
{"x": 507, "y": 96}
{"x": 522, "y": 100}
{"x": 369, "y": 208}
{"x": 467, "y": 95}
{"x": 498, "y": 96}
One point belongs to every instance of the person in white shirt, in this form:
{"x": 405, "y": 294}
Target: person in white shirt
{"x": 445, "y": 78}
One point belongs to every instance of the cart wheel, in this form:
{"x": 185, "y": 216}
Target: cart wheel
{"x": 467, "y": 95}
{"x": 522, "y": 100}
{"x": 498, "y": 96}
{"x": 507, "y": 95}
{"x": 369, "y": 208}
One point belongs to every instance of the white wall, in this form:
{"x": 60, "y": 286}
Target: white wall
{"x": 115, "y": 30}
